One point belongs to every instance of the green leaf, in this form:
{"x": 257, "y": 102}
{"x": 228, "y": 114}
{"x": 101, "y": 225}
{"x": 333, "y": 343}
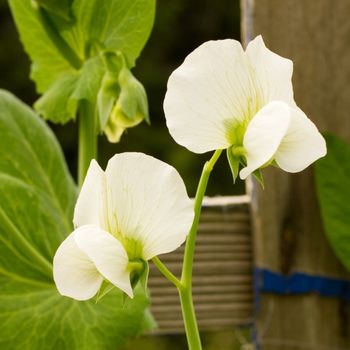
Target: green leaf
{"x": 47, "y": 63}
{"x": 56, "y": 104}
{"x": 333, "y": 190}
{"x": 61, "y": 8}
{"x": 60, "y": 51}
{"x": 89, "y": 82}
{"x": 36, "y": 208}
{"x": 59, "y": 103}
{"x": 118, "y": 25}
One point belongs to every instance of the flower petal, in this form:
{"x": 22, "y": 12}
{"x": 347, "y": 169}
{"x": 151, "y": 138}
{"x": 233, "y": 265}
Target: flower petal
{"x": 150, "y": 201}
{"x": 90, "y": 208}
{"x": 108, "y": 255}
{"x": 74, "y": 273}
{"x": 302, "y": 144}
{"x": 264, "y": 135}
{"x": 208, "y": 95}
{"x": 271, "y": 73}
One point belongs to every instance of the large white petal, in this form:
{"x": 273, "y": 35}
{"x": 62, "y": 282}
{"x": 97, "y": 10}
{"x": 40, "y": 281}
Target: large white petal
{"x": 108, "y": 255}
{"x": 271, "y": 73}
{"x": 208, "y": 95}
{"x": 90, "y": 208}
{"x": 74, "y": 273}
{"x": 264, "y": 135}
{"x": 302, "y": 144}
{"x": 149, "y": 202}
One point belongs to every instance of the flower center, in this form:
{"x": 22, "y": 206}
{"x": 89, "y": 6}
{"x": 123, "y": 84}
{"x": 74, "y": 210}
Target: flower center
{"x": 133, "y": 248}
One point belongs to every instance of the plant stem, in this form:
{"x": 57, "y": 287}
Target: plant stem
{"x": 188, "y": 312}
{"x": 87, "y": 138}
{"x": 167, "y": 273}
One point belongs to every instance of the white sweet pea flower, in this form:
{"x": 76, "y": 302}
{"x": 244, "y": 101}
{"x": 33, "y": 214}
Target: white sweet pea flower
{"x": 138, "y": 208}
{"x": 223, "y": 97}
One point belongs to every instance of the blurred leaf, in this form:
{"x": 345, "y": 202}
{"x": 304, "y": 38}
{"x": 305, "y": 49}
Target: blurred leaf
{"x": 59, "y": 103}
{"x": 60, "y": 8}
{"x": 118, "y": 26}
{"x": 333, "y": 190}
{"x": 36, "y": 208}
{"x": 55, "y": 104}
{"x": 47, "y": 62}
{"x": 89, "y": 82}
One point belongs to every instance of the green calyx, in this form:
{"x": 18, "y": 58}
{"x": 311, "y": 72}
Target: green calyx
{"x": 238, "y": 152}
{"x": 139, "y": 270}
{"x": 133, "y": 248}
{"x": 136, "y": 266}
{"x": 236, "y": 156}
{"x": 122, "y": 100}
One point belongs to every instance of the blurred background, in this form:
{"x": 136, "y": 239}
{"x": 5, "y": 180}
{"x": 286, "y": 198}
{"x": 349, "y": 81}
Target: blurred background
{"x": 180, "y": 26}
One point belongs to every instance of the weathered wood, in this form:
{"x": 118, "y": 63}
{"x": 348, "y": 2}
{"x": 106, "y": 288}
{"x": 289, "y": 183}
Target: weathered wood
{"x": 222, "y": 280}
{"x": 288, "y": 232}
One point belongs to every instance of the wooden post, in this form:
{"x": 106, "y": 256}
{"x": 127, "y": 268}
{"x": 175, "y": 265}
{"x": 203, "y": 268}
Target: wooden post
{"x": 288, "y": 234}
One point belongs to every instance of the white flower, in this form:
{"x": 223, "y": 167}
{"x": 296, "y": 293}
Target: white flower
{"x": 137, "y": 209}
{"x": 223, "y": 97}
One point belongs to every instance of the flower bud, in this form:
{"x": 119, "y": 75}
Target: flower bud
{"x": 130, "y": 109}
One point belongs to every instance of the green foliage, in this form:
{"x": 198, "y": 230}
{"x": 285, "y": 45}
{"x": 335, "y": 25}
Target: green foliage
{"x": 67, "y": 40}
{"x": 59, "y": 8}
{"x": 56, "y": 104}
{"x": 333, "y": 190}
{"x": 36, "y": 205}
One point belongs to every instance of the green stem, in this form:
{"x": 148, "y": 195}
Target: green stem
{"x": 188, "y": 312}
{"x": 186, "y": 276}
{"x": 189, "y": 316}
{"x": 63, "y": 48}
{"x": 167, "y": 273}
{"x": 87, "y": 139}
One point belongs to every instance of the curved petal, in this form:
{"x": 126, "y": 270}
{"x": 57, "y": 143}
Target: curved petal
{"x": 302, "y": 144}
{"x": 90, "y": 208}
{"x": 108, "y": 255}
{"x": 271, "y": 73}
{"x": 150, "y": 201}
{"x": 264, "y": 135}
{"x": 74, "y": 273}
{"x": 208, "y": 95}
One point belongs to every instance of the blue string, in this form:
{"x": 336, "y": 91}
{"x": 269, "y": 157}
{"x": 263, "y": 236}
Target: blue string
{"x": 300, "y": 283}
{"x": 266, "y": 281}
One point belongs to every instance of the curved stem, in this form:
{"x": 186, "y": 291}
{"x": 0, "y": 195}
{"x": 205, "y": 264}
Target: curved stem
{"x": 188, "y": 312}
{"x": 186, "y": 276}
{"x": 87, "y": 139}
{"x": 167, "y": 273}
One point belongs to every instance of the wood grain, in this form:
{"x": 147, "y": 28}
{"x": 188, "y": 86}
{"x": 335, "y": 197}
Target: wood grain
{"x": 288, "y": 233}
